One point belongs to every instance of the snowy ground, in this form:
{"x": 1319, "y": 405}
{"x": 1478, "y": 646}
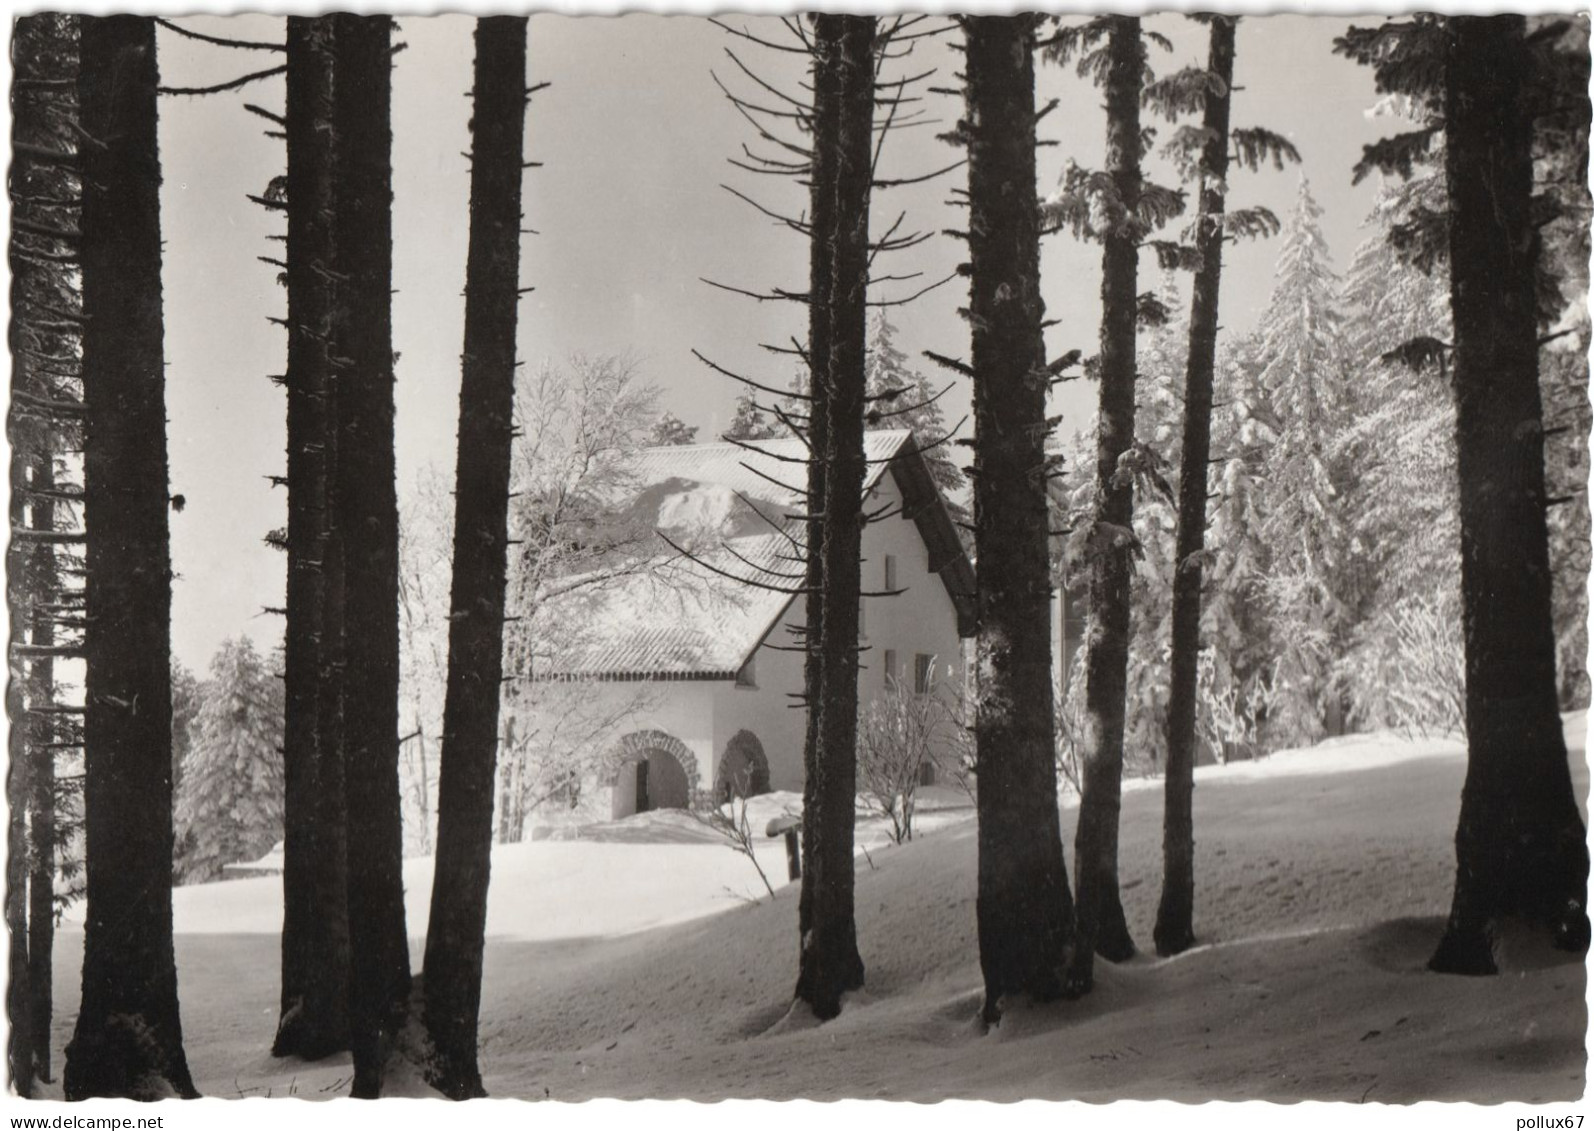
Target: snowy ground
{"x": 631, "y": 964}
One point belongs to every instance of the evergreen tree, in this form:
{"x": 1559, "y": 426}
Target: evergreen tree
{"x": 1234, "y": 613}
{"x": 1024, "y": 910}
{"x": 829, "y": 963}
{"x": 1120, "y": 209}
{"x": 1561, "y": 163}
{"x": 671, "y": 431}
{"x": 1305, "y": 375}
{"x": 1405, "y": 533}
{"x": 1149, "y": 466}
{"x": 454, "y": 932}
{"x": 43, "y": 556}
{"x": 900, "y": 396}
{"x": 1520, "y": 842}
{"x": 128, "y": 1039}
{"x": 1213, "y": 88}
{"x": 366, "y": 520}
{"x": 751, "y": 422}
{"x": 185, "y": 710}
{"x": 230, "y": 806}
{"x": 315, "y": 935}
{"x": 1492, "y": 91}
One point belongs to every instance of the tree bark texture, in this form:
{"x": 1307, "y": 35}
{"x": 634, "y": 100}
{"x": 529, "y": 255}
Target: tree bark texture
{"x": 45, "y": 196}
{"x": 30, "y": 784}
{"x": 1520, "y": 841}
{"x": 315, "y": 934}
{"x": 19, "y": 1050}
{"x": 1175, "y": 928}
{"x": 1024, "y": 907}
{"x": 829, "y": 964}
{"x": 455, "y": 931}
{"x": 128, "y": 1039}
{"x": 367, "y": 518}
{"x": 42, "y": 836}
{"x": 826, "y": 118}
{"x": 1102, "y": 927}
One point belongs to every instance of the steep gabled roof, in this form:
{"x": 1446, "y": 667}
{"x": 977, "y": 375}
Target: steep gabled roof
{"x": 737, "y": 506}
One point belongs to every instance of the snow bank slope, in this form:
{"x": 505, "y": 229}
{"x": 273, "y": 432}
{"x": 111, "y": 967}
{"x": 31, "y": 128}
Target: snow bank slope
{"x": 1323, "y": 877}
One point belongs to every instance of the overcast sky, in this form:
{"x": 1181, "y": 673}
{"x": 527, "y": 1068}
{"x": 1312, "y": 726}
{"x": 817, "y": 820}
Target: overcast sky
{"x": 634, "y": 138}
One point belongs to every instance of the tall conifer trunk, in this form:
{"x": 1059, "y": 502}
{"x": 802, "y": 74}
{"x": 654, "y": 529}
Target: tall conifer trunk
{"x": 829, "y": 964}
{"x": 455, "y": 931}
{"x": 315, "y": 932}
{"x": 821, "y": 253}
{"x": 128, "y": 1039}
{"x": 1175, "y": 928}
{"x": 41, "y": 807}
{"x": 1101, "y": 916}
{"x": 19, "y": 1053}
{"x": 1520, "y": 842}
{"x": 45, "y": 199}
{"x": 36, "y": 870}
{"x": 367, "y": 519}
{"x": 1024, "y": 908}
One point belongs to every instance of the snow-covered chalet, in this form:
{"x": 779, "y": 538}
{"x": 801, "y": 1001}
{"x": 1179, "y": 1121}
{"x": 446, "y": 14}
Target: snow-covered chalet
{"x": 714, "y": 653}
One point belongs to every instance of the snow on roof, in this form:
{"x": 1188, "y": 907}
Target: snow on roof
{"x": 679, "y": 620}
{"x": 735, "y": 505}
{"x": 772, "y": 471}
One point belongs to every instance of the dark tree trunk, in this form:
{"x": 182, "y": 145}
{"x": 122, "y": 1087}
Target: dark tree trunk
{"x": 821, "y": 219}
{"x": 31, "y": 785}
{"x": 315, "y": 944}
{"x": 128, "y": 1040}
{"x": 1175, "y": 929}
{"x": 19, "y": 1050}
{"x": 455, "y": 932}
{"x": 41, "y": 848}
{"x": 829, "y": 964}
{"x": 46, "y": 196}
{"x": 1101, "y": 915}
{"x": 1024, "y": 908}
{"x": 367, "y": 519}
{"x": 1520, "y": 842}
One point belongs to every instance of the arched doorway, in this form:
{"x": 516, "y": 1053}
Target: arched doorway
{"x": 652, "y": 770}
{"x": 743, "y": 770}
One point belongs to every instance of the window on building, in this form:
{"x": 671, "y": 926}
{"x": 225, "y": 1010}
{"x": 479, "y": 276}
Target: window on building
{"x": 923, "y": 672}
{"x": 891, "y": 666}
{"x": 891, "y": 572}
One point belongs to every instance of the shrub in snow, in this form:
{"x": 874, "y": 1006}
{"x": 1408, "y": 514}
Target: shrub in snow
{"x": 904, "y": 738}
{"x": 737, "y": 828}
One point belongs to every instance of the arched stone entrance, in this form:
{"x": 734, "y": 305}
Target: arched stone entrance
{"x": 743, "y": 770}
{"x": 652, "y": 770}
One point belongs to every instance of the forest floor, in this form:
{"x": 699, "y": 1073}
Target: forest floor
{"x": 632, "y": 964}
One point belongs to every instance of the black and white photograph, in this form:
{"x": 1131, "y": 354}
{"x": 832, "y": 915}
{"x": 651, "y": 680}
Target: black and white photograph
{"x": 857, "y": 555}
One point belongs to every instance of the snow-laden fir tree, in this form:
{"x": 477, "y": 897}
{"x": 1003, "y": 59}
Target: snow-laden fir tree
{"x": 901, "y": 396}
{"x": 672, "y": 431}
{"x": 1403, "y": 668}
{"x": 185, "y": 709}
{"x": 1304, "y": 372}
{"x": 750, "y": 422}
{"x": 1235, "y": 622}
{"x": 230, "y": 805}
{"x": 1561, "y": 155}
{"x": 1160, "y": 377}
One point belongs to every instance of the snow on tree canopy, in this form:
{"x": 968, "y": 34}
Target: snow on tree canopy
{"x": 230, "y": 805}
